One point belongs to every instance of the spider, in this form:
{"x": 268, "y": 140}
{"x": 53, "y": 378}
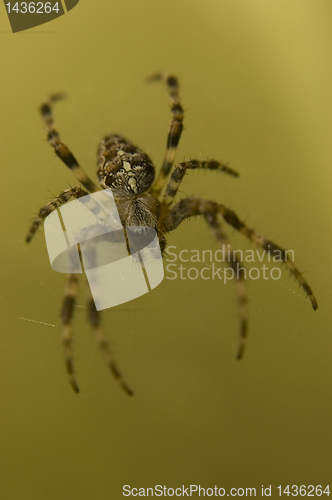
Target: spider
{"x": 130, "y": 174}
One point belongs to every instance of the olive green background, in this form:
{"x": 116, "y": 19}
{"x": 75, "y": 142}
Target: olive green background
{"x": 256, "y": 80}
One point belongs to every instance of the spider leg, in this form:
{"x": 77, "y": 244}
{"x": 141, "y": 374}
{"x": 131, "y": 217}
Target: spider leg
{"x": 75, "y": 192}
{"x": 232, "y": 219}
{"x": 94, "y": 320}
{"x": 197, "y": 206}
{"x": 180, "y": 171}
{"x": 60, "y": 148}
{"x": 175, "y": 129}
{"x": 238, "y": 271}
{"x": 67, "y": 331}
{"x": 205, "y": 208}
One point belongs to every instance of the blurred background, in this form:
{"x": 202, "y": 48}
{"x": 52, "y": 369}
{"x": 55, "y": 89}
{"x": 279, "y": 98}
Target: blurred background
{"x": 256, "y": 81}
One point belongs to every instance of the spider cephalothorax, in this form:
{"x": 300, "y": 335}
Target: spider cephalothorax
{"x": 130, "y": 174}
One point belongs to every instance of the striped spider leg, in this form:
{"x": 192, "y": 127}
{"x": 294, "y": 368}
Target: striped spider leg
{"x": 71, "y": 289}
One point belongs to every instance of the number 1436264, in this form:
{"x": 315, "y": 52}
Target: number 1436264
{"x": 33, "y": 7}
